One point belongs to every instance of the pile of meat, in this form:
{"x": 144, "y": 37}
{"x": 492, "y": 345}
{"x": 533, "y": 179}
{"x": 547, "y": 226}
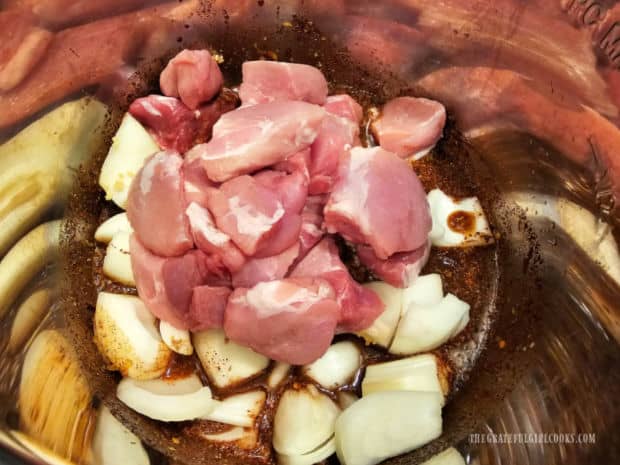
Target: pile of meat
{"x": 237, "y": 232}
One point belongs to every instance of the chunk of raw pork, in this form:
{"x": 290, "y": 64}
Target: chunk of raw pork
{"x": 292, "y": 191}
{"x": 257, "y": 270}
{"x": 173, "y": 125}
{"x": 251, "y": 215}
{"x": 378, "y": 200}
{"x": 345, "y": 106}
{"x": 193, "y": 76}
{"x": 166, "y": 284}
{"x": 410, "y": 126}
{"x": 399, "y": 270}
{"x": 208, "y": 306}
{"x": 270, "y": 81}
{"x": 251, "y": 138}
{"x": 196, "y": 184}
{"x": 359, "y": 307}
{"x": 336, "y": 136}
{"x": 289, "y": 320}
{"x": 312, "y": 223}
{"x": 211, "y": 240}
{"x": 156, "y": 206}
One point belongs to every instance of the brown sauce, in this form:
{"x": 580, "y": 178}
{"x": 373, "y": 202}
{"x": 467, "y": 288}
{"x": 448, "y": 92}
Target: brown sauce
{"x": 178, "y": 367}
{"x": 462, "y": 222}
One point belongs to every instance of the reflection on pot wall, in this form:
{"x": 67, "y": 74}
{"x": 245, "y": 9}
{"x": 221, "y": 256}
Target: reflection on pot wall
{"x": 534, "y": 85}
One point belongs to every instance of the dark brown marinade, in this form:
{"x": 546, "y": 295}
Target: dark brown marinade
{"x": 462, "y": 222}
{"x": 179, "y": 366}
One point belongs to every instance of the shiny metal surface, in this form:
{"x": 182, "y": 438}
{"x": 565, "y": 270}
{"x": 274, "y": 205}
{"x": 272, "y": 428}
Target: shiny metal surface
{"x": 535, "y": 86}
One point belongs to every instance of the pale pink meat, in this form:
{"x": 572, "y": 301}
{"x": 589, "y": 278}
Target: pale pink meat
{"x": 173, "y": 125}
{"x": 399, "y": 270}
{"x": 336, "y": 136}
{"x": 166, "y": 284}
{"x": 217, "y": 272}
{"x": 196, "y": 184}
{"x": 193, "y": 76}
{"x": 257, "y": 270}
{"x": 410, "y": 126}
{"x": 312, "y": 224}
{"x": 299, "y": 162}
{"x": 378, "y": 200}
{"x": 156, "y": 206}
{"x": 248, "y": 213}
{"x": 289, "y": 320}
{"x": 286, "y": 233}
{"x": 251, "y": 138}
{"x": 345, "y": 106}
{"x": 208, "y": 306}
{"x": 270, "y": 81}
{"x": 359, "y": 307}
{"x": 211, "y": 240}
{"x": 292, "y": 189}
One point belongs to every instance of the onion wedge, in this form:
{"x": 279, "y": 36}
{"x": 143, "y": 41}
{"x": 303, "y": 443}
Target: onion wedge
{"x": 177, "y": 340}
{"x": 450, "y": 456}
{"x": 381, "y": 332}
{"x": 304, "y": 421}
{"x": 387, "y": 424}
{"x": 337, "y": 366}
{"x": 113, "y": 225}
{"x": 131, "y": 146}
{"x": 127, "y": 336}
{"x": 238, "y": 410}
{"x": 114, "y": 444}
{"x": 418, "y": 373}
{"x": 179, "y": 400}
{"x": 316, "y": 456}
{"x": 225, "y": 362}
{"x": 117, "y": 261}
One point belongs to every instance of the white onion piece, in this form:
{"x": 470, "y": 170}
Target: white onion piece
{"x": 418, "y": 373}
{"x": 382, "y": 330}
{"x": 232, "y": 435}
{"x": 387, "y": 424}
{"x": 113, "y": 225}
{"x": 117, "y": 261}
{"x": 425, "y": 328}
{"x": 177, "y": 340}
{"x": 346, "y": 399}
{"x": 126, "y": 334}
{"x": 179, "y": 400}
{"x": 316, "y": 456}
{"x": 238, "y": 410}
{"x": 113, "y": 444}
{"x": 225, "y": 362}
{"x": 278, "y": 374}
{"x": 337, "y": 366}
{"x": 425, "y": 290}
{"x": 131, "y": 146}
{"x": 442, "y": 206}
{"x": 304, "y": 420}
{"x": 244, "y": 438}
{"x": 450, "y": 456}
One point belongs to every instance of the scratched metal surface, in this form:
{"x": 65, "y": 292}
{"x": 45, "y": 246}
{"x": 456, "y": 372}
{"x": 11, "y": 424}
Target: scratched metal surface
{"x": 535, "y": 86}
